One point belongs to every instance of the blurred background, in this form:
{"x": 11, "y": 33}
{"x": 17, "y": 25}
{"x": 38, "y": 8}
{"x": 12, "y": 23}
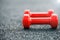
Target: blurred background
{"x": 11, "y": 14}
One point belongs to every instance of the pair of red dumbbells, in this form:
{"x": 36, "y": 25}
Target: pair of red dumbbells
{"x": 40, "y": 18}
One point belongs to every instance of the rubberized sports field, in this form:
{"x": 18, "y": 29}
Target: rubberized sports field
{"x": 11, "y": 14}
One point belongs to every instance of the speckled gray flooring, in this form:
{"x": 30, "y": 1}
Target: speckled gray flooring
{"x": 11, "y": 14}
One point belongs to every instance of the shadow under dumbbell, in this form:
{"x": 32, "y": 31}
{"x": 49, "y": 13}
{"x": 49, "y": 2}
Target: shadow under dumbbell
{"x": 39, "y": 30}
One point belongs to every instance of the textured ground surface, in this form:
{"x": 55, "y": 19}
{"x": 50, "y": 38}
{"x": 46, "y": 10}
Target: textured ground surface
{"x": 11, "y": 13}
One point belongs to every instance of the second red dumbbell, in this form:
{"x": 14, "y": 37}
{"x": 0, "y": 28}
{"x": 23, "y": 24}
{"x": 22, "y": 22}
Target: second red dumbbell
{"x": 52, "y": 20}
{"x": 39, "y": 14}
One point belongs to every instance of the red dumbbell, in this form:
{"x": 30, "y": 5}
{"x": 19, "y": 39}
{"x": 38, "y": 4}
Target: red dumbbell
{"x": 39, "y": 14}
{"x": 52, "y": 20}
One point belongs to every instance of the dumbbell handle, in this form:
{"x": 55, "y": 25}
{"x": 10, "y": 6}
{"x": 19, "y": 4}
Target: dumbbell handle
{"x": 40, "y": 14}
{"x": 42, "y": 20}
